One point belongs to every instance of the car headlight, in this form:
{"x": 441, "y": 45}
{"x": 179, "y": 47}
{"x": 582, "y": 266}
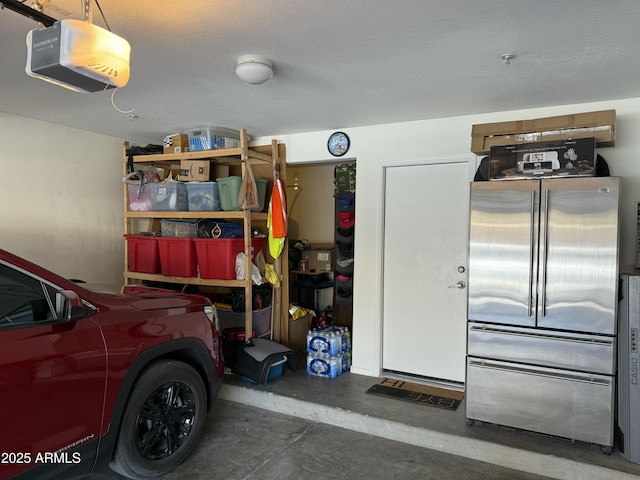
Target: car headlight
{"x": 212, "y": 314}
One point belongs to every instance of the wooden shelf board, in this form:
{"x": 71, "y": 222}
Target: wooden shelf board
{"x": 184, "y": 280}
{"x": 194, "y": 215}
{"x": 231, "y": 155}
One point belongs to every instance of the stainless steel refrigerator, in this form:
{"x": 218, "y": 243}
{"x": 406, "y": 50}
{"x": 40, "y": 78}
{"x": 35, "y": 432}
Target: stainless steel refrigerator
{"x": 543, "y": 280}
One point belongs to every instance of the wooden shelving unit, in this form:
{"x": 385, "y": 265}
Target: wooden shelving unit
{"x": 268, "y": 162}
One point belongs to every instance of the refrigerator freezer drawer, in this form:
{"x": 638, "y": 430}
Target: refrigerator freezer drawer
{"x": 544, "y": 400}
{"x": 572, "y": 351}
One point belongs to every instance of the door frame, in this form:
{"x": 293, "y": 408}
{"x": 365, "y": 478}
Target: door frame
{"x": 377, "y": 329}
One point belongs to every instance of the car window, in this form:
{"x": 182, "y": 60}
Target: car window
{"x": 23, "y": 299}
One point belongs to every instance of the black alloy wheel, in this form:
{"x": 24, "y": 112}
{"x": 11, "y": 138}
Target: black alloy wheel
{"x": 165, "y": 421}
{"x": 162, "y": 421}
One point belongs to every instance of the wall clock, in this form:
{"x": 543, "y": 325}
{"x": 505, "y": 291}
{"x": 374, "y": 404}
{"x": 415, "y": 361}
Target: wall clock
{"x": 338, "y": 144}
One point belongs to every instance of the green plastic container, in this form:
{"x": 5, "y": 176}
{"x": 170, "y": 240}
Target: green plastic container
{"x": 229, "y": 188}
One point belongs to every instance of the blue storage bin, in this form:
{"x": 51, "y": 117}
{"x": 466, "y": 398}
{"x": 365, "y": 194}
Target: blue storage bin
{"x": 276, "y": 371}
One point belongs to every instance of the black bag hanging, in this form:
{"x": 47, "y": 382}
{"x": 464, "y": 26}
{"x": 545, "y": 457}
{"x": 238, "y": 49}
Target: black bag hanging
{"x": 135, "y": 150}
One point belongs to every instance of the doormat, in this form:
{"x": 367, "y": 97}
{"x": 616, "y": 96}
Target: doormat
{"x": 417, "y": 393}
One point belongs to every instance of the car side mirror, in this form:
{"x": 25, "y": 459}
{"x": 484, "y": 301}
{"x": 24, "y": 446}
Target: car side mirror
{"x": 69, "y": 306}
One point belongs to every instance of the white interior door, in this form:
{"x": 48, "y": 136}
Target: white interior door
{"x": 425, "y": 263}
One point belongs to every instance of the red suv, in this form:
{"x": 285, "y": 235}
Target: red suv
{"x": 90, "y": 377}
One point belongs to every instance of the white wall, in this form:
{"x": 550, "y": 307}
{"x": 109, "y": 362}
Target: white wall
{"x": 62, "y": 198}
{"x": 61, "y": 201}
{"x": 375, "y": 144}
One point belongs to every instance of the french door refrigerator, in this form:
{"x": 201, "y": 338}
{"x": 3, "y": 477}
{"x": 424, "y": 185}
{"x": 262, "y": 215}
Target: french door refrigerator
{"x": 542, "y": 297}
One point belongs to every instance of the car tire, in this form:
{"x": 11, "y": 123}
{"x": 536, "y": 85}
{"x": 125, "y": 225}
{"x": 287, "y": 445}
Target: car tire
{"x": 162, "y": 420}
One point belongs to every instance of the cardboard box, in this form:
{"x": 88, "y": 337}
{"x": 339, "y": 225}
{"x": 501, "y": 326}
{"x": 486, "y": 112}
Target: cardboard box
{"x": 320, "y": 260}
{"x": 176, "y": 143}
{"x": 201, "y": 170}
{"x": 599, "y": 125}
{"x": 195, "y": 170}
{"x": 298, "y": 329}
{"x": 571, "y": 158}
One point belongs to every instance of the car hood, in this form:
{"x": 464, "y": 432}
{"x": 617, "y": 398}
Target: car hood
{"x": 146, "y": 298}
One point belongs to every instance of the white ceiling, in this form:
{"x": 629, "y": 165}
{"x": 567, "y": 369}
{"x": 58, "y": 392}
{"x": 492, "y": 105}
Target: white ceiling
{"x": 337, "y": 63}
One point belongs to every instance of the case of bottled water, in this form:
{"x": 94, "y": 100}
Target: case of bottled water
{"x": 328, "y": 351}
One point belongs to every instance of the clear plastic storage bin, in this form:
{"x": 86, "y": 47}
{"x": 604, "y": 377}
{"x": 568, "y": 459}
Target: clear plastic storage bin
{"x": 261, "y": 320}
{"x": 213, "y": 138}
{"x": 169, "y": 197}
{"x": 139, "y": 197}
{"x": 203, "y": 196}
{"x": 178, "y": 228}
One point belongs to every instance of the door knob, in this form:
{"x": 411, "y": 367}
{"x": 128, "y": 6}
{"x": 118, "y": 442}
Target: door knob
{"x": 460, "y": 284}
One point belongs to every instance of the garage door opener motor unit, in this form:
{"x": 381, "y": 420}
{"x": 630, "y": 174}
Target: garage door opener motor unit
{"x": 79, "y": 56}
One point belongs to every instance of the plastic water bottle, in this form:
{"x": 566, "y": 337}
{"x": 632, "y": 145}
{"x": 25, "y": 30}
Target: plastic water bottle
{"x": 323, "y": 365}
{"x": 317, "y": 365}
{"x": 309, "y": 339}
{"x": 346, "y": 361}
{"x": 335, "y": 366}
{"x": 347, "y": 336}
{"x": 310, "y": 365}
{"x": 324, "y": 341}
{"x": 319, "y": 343}
{"x": 335, "y": 344}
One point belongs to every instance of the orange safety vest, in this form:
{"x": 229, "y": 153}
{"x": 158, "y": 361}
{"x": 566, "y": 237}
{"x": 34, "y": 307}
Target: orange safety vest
{"x": 277, "y": 220}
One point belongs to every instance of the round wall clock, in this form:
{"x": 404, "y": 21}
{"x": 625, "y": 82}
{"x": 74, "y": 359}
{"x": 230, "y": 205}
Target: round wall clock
{"x": 338, "y": 144}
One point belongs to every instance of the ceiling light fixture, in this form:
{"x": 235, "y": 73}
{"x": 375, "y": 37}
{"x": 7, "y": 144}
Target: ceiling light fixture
{"x": 254, "y": 69}
{"x": 507, "y": 57}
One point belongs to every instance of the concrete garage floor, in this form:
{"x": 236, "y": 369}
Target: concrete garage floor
{"x": 300, "y": 426}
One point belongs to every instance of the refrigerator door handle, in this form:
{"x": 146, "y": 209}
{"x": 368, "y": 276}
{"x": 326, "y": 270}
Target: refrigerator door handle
{"x": 588, "y": 341}
{"x": 545, "y": 246}
{"x": 531, "y": 253}
{"x": 538, "y": 373}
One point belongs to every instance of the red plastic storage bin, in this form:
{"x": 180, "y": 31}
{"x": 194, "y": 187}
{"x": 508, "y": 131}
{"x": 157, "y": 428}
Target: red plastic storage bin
{"x": 143, "y": 253}
{"x": 217, "y": 256}
{"x": 177, "y": 257}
